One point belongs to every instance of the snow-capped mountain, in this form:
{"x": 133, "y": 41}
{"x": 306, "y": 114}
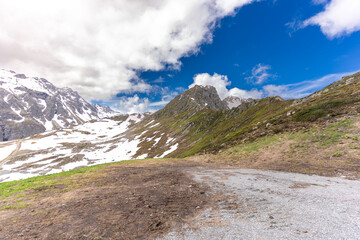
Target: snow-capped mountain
{"x": 30, "y": 105}
{"x": 91, "y": 143}
{"x": 233, "y": 102}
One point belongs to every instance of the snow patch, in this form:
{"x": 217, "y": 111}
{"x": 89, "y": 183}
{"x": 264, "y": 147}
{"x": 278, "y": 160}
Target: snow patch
{"x": 172, "y": 149}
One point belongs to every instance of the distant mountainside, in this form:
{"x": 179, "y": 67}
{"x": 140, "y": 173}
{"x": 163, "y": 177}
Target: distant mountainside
{"x": 34, "y": 105}
{"x": 187, "y": 120}
{"x": 192, "y": 101}
{"x": 195, "y": 122}
{"x": 198, "y": 121}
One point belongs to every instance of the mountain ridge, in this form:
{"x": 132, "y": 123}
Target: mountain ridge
{"x": 181, "y": 132}
{"x": 31, "y": 105}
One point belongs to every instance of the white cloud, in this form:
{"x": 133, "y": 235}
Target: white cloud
{"x": 287, "y": 91}
{"x": 260, "y": 74}
{"x": 302, "y": 89}
{"x": 98, "y": 47}
{"x": 340, "y": 17}
{"x": 254, "y": 93}
{"x": 133, "y": 104}
{"x": 136, "y": 104}
{"x": 221, "y": 83}
{"x": 159, "y": 80}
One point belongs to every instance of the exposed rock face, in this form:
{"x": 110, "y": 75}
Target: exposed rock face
{"x": 193, "y": 100}
{"x": 33, "y": 105}
{"x": 233, "y": 102}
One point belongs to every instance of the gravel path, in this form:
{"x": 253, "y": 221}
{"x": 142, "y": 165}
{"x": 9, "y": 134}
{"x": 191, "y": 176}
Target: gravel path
{"x": 8, "y": 158}
{"x": 252, "y": 204}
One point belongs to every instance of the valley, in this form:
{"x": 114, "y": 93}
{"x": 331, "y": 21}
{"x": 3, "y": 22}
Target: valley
{"x": 199, "y": 168}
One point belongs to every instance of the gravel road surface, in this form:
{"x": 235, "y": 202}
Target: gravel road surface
{"x": 252, "y": 204}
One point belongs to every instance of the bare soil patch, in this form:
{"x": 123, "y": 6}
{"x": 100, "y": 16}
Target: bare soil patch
{"x": 117, "y": 203}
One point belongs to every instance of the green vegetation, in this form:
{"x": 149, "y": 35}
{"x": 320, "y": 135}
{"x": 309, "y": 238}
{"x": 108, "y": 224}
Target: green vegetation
{"x": 209, "y": 130}
{"x": 331, "y": 135}
{"x": 14, "y": 206}
{"x": 334, "y": 133}
{"x": 337, "y": 154}
{"x": 8, "y": 189}
{"x": 314, "y": 112}
{"x": 255, "y": 146}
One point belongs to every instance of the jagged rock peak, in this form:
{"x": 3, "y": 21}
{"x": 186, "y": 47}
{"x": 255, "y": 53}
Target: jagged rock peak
{"x": 203, "y": 97}
{"x": 30, "y": 105}
{"x": 193, "y": 100}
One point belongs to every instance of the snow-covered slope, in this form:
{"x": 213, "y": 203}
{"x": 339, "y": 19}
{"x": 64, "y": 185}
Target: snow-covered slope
{"x": 233, "y": 102}
{"x": 33, "y": 105}
{"x": 88, "y": 144}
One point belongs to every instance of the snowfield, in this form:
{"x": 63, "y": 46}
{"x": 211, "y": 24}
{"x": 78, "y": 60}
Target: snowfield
{"x": 6, "y": 148}
{"x": 89, "y": 144}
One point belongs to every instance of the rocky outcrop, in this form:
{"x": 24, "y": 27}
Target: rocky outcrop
{"x": 234, "y": 102}
{"x": 192, "y": 101}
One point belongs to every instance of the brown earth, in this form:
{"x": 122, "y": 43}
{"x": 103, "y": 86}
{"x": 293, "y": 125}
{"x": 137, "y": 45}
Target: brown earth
{"x": 135, "y": 200}
{"x": 120, "y": 202}
{"x": 146, "y": 199}
{"x": 337, "y": 155}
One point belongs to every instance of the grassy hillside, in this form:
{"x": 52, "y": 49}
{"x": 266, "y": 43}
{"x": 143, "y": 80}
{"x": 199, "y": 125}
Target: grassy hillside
{"x": 330, "y": 150}
{"x": 208, "y": 130}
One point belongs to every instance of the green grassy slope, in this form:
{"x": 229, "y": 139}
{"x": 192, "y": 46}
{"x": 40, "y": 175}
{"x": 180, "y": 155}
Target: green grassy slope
{"x": 209, "y": 130}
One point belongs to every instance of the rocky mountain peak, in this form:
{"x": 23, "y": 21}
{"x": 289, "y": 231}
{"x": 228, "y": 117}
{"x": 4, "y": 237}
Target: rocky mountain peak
{"x": 203, "y": 97}
{"x": 30, "y": 105}
{"x": 192, "y": 101}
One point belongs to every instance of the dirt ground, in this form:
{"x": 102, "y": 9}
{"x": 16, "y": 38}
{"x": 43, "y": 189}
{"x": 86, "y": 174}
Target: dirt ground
{"x": 119, "y": 203}
{"x": 141, "y": 200}
{"x": 275, "y": 205}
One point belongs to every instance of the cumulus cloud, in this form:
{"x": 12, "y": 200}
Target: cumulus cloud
{"x": 98, "y": 47}
{"x": 254, "y": 93}
{"x": 340, "y": 17}
{"x": 286, "y": 91}
{"x": 221, "y": 83}
{"x": 136, "y": 104}
{"x": 260, "y": 74}
{"x": 133, "y": 104}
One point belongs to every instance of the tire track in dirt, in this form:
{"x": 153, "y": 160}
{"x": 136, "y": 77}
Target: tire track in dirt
{"x": 8, "y": 158}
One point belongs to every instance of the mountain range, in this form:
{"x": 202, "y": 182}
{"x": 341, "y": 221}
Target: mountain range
{"x": 31, "y": 105}
{"x": 194, "y": 122}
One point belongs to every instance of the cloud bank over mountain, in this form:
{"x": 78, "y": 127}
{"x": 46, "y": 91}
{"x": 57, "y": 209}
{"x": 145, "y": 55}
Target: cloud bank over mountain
{"x": 99, "y": 47}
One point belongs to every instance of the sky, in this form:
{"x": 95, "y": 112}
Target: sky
{"x": 137, "y": 55}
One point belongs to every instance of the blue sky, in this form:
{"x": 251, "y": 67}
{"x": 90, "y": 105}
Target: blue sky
{"x": 136, "y": 55}
{"x": 260, "y": 35}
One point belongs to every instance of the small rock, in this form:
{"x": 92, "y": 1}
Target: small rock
{"x": 22, "y": 76}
